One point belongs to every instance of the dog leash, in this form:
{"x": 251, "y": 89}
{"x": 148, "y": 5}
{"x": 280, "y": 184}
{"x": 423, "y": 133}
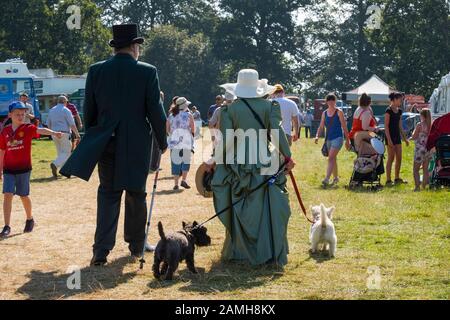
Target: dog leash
{"x": 299, "y": 197}
{"x": 269, "y": 182}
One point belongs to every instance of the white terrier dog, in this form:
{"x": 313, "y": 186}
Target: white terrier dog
{"x": 322, "y": 231}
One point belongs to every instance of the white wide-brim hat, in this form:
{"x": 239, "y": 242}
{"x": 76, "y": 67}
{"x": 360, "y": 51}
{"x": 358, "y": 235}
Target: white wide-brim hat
{"x": 183, "y": 103}
{"x": 249, "y": 85}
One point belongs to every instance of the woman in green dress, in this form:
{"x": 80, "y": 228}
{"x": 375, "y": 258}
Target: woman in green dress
{"x": 256, "y": 228}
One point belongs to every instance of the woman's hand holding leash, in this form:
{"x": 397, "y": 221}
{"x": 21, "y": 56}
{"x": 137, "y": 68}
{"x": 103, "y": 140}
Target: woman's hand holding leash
{"x": 290, "y": 165}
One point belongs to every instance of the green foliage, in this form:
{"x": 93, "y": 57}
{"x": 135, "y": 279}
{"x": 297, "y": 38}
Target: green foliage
{"x": 209, "y": 41}
{"x": 185, "y": 63}
{"x": 74, "y": 50}
{"x": 38, "y": 34}
{"x": 341, "y": 57}
{"x": 414, "y": 41}
{"x": 27, "y": 35}
{"x": 259, "y": 34}
{"x": 147, "y": 14}
{"x": 408, "y": 51}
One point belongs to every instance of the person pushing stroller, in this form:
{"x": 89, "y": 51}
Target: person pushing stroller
{"x": 369, "y": 164}
{"x": 364, "y": 126}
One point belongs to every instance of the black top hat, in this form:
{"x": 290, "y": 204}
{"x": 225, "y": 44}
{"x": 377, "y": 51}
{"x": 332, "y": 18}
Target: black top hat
{"x": 124, "y": 35}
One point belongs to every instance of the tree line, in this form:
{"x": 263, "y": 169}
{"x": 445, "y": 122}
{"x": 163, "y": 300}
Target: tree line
{"x": 311, "y": 46}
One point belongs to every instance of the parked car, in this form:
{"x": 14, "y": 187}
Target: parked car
{"x": 409, "y": 122}
{"x": 347, "y": 109}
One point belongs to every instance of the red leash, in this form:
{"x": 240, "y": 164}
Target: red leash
{"x": 299, "y": 197}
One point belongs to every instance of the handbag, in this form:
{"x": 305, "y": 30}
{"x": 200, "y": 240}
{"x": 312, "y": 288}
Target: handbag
{"x": 325, "y": 151}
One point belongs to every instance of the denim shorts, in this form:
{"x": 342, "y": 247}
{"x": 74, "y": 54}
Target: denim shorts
{"x": 337, "y": 143}
{"x": 181, "y": 161}
{"x": 17, "y": 184}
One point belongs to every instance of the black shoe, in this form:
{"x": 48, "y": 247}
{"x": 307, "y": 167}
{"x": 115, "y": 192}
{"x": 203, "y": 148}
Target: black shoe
{"x": 136, "y": 253}
{"x": 29, "y": 225}
{"x": 185, "y": 185}
{"x": 136, "y": 249}
{"x": 54, "y": 170}
{"x": 176, "y": 188}
{"x": 98, "y": 261}
{"x": 5, "y": 232}
{"x": 400, "y": 181}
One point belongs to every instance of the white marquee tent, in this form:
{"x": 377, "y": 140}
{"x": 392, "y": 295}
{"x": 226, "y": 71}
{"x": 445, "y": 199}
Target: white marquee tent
{"x": 375, "y": 87}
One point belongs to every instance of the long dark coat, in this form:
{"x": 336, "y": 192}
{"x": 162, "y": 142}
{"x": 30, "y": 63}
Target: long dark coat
{"x": 122, "y": 97}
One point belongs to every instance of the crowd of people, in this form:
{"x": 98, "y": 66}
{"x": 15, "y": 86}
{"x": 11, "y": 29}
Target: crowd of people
{"x": 334, "y": 123}
{"x": 256, "y": 230}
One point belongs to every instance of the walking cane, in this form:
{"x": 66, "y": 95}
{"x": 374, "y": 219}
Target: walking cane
{"x": 152, "y": 201}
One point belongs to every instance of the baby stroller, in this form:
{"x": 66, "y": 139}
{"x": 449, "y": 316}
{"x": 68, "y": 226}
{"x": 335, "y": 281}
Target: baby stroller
{"x": 440, "y": 140}
{"x": 369, "y": 165}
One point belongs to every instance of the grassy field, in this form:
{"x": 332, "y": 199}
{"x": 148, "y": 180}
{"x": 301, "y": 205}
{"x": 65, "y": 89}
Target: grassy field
{"x": 400, "y": 234}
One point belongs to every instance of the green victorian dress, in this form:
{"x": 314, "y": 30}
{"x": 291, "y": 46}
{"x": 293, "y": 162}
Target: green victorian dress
{"x": 256, "y": 228}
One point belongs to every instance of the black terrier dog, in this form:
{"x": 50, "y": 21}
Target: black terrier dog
{"x": 176, "y": 247}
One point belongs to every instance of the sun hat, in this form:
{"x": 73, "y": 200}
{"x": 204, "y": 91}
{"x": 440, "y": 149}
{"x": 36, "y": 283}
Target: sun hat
{"x": 278, "y": 88}
{"x": 249, "y": 85}
{"x": 16, "y": 105}
{"x": 203, "y": 179}
{"x": 378, "y": 145}
{"x": 182, "y": 103}
{"x": 229, "y": 96}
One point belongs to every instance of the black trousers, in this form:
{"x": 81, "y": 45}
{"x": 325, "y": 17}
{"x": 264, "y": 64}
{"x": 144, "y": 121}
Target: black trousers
{"x": 307, "y": 132}
{"x": 108, "y": 210}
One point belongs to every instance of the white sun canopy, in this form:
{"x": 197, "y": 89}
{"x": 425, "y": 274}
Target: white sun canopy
{"x": 374, "y": 87}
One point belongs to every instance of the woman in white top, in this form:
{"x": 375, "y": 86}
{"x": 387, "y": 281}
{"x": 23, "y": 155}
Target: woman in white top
{"x": 180, "y": 129}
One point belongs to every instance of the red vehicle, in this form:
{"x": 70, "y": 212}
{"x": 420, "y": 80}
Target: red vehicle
{"x": 415, "y": 103}
{"x": 320, "y": 105}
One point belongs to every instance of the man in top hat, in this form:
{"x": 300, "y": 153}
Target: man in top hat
{"x": 123, "y": 109}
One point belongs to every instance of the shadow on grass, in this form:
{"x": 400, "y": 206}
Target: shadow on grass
{"x": 12, "y": 236}
{"x": 223, "y": 277}
{"x": 365, "y": 189}
{"x": 168, "y": 192}
{"x": 320, "y": 256}
{"x": 165, "y": 178}
{"x": 51, "y": 179}
{"x": 43, "y": 180}
{"x": 51, "y": 285}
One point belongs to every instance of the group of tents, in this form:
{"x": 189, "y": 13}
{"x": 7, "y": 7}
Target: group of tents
{"x": 380, "y": 90}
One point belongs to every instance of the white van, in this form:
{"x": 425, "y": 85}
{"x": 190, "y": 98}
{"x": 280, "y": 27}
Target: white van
{"x": 440, "y": 99}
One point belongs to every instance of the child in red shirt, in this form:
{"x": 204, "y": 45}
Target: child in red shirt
{"x": 15, "y": 163}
